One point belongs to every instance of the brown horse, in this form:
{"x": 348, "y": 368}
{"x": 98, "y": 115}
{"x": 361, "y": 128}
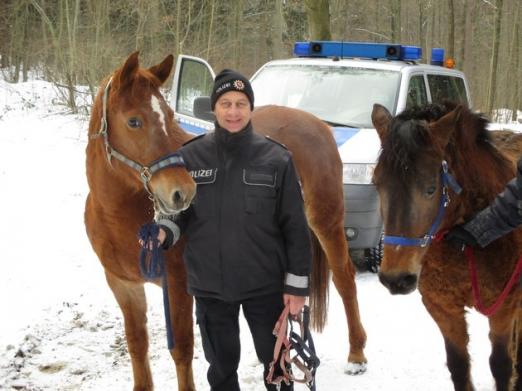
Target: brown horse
{"x": 139, "y": 130}
{"x": 320, "y": 168}
{"x": 140, "y": 127}
{"x": 411, "y": 180}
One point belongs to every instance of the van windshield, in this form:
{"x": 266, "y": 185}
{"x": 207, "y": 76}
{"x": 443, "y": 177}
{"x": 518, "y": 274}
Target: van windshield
{"x": 338, "y": 95}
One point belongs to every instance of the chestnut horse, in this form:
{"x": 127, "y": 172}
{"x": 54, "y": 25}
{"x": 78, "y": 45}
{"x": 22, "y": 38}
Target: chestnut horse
{"x": 131, "y": 126}
{"x": 319, "y": 166}
{"x": 426, "y": 154}
{"x": 139, "y": 130}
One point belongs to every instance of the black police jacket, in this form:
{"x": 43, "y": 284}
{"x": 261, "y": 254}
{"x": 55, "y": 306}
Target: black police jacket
{"x": 502, "y": 216}
{"x": 246, "y": 230}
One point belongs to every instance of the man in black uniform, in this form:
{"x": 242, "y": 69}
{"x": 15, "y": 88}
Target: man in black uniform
{"x": 501, "y": 217}
{"x": 248, "y": 243}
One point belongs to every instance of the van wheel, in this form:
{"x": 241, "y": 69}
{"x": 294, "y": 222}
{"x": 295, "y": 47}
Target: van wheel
{"x": 373, "y": 257}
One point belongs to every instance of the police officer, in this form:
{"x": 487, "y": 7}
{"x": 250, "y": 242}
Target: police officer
{"x": 501, "y": 217}
{"x": 248, "y": 243}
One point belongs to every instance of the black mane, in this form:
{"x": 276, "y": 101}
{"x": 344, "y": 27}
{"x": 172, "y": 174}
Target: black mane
{"x": 408, "y": 137}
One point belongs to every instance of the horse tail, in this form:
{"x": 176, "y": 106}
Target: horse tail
{"x": 318, "y": 285}
{"x": 516, "y": 347}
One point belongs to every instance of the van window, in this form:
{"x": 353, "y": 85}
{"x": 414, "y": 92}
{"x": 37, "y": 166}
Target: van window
{"x": 416, "y": 92}
{"x": 444, "y": 88}
{"x": 336, "y": 94}
{"x": 195, "y": 81}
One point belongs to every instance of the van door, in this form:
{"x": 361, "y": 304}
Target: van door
{"x": 448, "y": 88}
{"x": 191, "y": 89}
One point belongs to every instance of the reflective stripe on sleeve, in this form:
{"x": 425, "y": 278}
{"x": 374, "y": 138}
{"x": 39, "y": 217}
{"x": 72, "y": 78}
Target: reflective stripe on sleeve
{"x": 296, "y": 281}
{"x": 172, "y": 226}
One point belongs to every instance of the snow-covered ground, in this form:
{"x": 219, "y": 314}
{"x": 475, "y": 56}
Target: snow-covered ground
{"x": 61, "y": 329}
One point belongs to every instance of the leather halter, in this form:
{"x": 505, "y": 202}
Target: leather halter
{"x": 446, "y": 180}
{"x": 305, "y": 358}
{"x": 146, "y": 172}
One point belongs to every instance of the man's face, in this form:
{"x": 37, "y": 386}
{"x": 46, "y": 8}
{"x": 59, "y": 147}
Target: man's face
{"x": 232, "y": 111}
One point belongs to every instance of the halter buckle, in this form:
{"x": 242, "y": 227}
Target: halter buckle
{"x": 426, "y": 240}
{"x": 145, "y": 174}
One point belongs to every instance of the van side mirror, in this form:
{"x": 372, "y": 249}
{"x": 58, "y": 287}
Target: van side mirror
{"x": 202, "y": 109}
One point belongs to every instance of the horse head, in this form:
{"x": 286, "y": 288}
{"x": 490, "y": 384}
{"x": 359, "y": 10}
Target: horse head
{"x": 426, "y": 153}
{"x": 140, "y": 137}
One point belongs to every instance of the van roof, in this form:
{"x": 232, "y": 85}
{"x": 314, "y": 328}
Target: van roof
{"x": 392, "y": 65}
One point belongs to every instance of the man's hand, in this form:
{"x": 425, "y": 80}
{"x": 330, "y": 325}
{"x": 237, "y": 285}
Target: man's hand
{"x": 161, "y": 238}
{"x": 459, "y": 237}
{"x": 296, "y": 303}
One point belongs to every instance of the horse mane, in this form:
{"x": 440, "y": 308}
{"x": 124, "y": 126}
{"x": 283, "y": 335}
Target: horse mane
{"x": 407, "y": 139}
{"x": 477, "y": 164}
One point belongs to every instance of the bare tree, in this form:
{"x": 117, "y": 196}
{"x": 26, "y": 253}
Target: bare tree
{"x": 318, "y": 15}
{"x": 396, "y": 21}
{"x": 492, "y": 87}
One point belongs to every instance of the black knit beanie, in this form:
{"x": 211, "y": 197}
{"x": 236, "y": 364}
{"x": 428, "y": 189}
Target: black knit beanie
{"x": 229, "y": 80}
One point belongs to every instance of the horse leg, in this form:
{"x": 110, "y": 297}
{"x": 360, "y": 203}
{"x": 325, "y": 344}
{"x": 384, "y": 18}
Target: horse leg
{"x": 335, "y": 247}
{"x": 452, "y": 325}
{"x": 182, "y": 324}
{"x": 501, "y": 326}
{"x": 131, "y": 299}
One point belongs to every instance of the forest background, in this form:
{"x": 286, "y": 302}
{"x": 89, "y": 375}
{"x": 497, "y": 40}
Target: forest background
{"x": 78, "y": 42}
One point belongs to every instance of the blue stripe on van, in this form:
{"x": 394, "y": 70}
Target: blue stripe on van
{"x": 342, "y": 134}
{"x": 188, "y": 127}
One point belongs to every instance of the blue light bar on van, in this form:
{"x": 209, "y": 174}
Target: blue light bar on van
{"x": 357, "y": 50}
{"x": 437, "y": 56}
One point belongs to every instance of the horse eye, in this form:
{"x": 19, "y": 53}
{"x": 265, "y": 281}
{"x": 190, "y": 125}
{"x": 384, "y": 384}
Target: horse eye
{"x": 430, "y": 190}
{"x": 134, "y": 122}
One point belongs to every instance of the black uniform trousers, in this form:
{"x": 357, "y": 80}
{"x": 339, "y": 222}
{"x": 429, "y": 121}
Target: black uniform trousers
{"x": 219, "y": 325}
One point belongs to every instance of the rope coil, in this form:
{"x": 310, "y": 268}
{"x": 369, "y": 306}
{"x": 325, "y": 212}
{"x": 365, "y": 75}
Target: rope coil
{"x": 152, "y": 266}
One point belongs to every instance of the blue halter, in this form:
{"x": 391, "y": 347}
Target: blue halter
{"x": 446, "y": 180}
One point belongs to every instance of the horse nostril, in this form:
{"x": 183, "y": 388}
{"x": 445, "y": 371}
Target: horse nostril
{"x": 177, "y": 197}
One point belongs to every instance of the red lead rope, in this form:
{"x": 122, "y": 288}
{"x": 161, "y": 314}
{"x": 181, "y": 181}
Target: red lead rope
{"x": 474, "y": 284}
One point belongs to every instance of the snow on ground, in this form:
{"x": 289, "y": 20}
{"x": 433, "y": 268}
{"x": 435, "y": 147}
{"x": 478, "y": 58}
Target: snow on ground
{"x": 61, "y": 328}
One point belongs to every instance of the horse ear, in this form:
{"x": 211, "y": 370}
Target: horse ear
{"x": 442, "y": 129}
{"x": 381, "y": 119}
{"x": 162, "y": 70}
{"x": 126, "y": 74}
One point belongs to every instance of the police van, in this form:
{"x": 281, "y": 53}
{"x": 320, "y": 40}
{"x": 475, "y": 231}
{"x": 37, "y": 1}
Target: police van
{"x": 338, "y": 82}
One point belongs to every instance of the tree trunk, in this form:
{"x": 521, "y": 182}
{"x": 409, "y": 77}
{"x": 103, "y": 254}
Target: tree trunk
{"x": 318, "y": 16}
{"x": 516, "y": 74}
{"x": 210, "y": 27}
{"x": 492, "y": 86}
{"x": 451, "y": 29}
{"x": 276, "y": 36}
{"x": 396, "y": 21}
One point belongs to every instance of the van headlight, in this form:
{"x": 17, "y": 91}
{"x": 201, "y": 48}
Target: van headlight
{"x": 358, "y": 173}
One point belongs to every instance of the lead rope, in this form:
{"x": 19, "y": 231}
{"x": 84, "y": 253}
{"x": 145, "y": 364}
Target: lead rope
{"x": 474, "y": 284}
{"x": 152, "y": 266}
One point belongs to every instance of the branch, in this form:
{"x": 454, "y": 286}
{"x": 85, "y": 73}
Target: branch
{"x": 490, "y": 4}
{"x": 373, "y": 33}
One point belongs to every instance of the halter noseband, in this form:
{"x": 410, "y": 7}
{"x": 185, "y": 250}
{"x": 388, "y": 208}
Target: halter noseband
{"x": 146, "y": 172}
{"x": 446, "y": 180}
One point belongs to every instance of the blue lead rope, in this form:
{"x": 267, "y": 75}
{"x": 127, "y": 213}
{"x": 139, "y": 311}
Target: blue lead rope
{"x": 152, "y": 266}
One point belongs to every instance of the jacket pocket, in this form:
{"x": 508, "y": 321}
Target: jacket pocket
{"x": 260, "y": 190}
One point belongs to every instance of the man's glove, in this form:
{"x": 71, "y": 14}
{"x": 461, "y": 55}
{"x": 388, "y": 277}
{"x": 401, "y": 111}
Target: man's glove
{"x": 459, "y": 237}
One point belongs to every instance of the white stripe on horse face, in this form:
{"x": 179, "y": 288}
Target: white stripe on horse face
{"x": 156, "y": 107}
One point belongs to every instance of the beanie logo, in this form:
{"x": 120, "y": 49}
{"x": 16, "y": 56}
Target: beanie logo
{"x": 222, "y": 87}
{"x": 239, "y": 85}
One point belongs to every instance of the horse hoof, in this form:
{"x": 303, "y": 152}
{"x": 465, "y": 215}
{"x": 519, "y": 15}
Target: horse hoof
{"x": 355, "y": 368}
